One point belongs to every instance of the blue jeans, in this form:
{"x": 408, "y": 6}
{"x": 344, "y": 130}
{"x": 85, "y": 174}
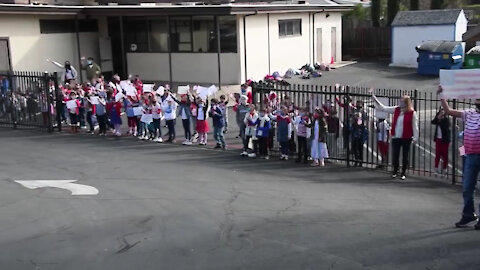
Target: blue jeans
{"x": 470, "y": 174}
{"x": 218, "y": 135}
{"x": 284, "y": 148}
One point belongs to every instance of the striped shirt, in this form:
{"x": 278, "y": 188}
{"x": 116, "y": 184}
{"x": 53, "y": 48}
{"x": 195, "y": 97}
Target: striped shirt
{"x": 471, "y": 134}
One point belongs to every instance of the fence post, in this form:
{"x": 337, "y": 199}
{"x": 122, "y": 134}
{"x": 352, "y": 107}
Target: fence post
{"x": 346, "y": 127}
{"x": 58, "y": 102}
{"x": 13, "y": 113}
{"x": 48, "y": 100}
{"x": 414, "y": 148}
{"x": 454, "y": 145}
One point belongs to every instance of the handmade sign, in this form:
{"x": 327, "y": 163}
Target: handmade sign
{"x": 183, "y": 89}
{"x": 72, "y": 104}
{"x": 130, "y": 90}
{"x": 160, "y": 90}
{"x": 137, "y": 111}
{"x": 94, "y": 100}
{"x": 147, "y": 88}
{"x": 212, "y": 90}
{"x": 460, "y": 84}
{"x": 118, "y": 96}
{"x": 203, "y": 92}
{"x": 124, "y": 84}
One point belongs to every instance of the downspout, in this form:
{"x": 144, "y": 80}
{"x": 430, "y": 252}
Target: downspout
{"x": 313, "y": 35}
{"x": 124, "y": 55}
{"x": 245, "y": 42}
{"x": 268, "y": 42}
{"x": 217, "y": 25}
{"x": 79, "y": 54}
{"x": 169, "y": 52}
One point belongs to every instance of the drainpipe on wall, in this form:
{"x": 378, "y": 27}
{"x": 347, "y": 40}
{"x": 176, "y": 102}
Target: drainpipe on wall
{"x": 268, "y": 43}
{"x": 217, "y": 25}
{"x": 245, "y": 41}
{"x": 79, "y": 54}
{"x": 169, "y": 53}
{"x": 313, "y": 35}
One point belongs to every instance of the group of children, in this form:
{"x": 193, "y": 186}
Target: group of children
{"x": 104, "y": 103}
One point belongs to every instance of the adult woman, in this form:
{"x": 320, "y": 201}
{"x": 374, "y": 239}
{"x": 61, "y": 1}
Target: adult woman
{"x": 404, "y": 131}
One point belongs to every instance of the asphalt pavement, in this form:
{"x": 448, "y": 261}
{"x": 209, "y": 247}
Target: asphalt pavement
{"x": 164, "y": 206}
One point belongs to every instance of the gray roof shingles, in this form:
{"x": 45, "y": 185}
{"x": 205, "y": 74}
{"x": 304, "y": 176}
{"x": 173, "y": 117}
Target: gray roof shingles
{"x": 426, "y": 17}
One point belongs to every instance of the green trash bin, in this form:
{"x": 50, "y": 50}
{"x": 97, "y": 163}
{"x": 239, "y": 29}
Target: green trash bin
{"x": 472, "y": 58}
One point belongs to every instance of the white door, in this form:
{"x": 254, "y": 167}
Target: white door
{"x": 334, "y": 44}
{"x": 319, "y": 46}
{"x": 4, "y": 55}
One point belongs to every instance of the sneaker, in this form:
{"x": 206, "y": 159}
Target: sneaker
{"x": 188, "y": 143}
{"x": 403, "y": 177}
{"x": 160, "y": 140}
{"x": 185, "y": 142}
{"x": 218, "y": 146}
{"x": 467, "y": 221}
{"x": 394, "y": 175}
{"x": 286, "y": 157}
{"x": 252, "y": 155}
{"x": 267, "y": 157}
{"x": 244, "y": 153}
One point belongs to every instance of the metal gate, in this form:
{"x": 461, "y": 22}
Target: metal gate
{"x": 27, "y": 100}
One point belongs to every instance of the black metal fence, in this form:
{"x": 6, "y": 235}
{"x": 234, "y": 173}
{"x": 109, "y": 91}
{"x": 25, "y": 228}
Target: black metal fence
{"x": 27, "y": 100}
{"x": 422, "y": 155}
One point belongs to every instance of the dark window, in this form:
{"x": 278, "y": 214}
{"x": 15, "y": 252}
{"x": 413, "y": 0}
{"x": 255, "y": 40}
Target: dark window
{"x": 290, "y": 28}
{"x": 181, "y": 34}
{"x": 228, "y": 34}
{"x": 204, "y": 36}
{"x": 67, "y": 26}
{"x": 158, "y": 35}
{"x": 135, "y": 34}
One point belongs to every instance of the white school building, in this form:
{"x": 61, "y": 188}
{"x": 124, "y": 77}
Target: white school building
{"x": 223, "y": 44}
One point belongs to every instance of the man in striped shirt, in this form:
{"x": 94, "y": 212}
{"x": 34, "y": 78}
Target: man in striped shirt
{"x": 471, "y": 137}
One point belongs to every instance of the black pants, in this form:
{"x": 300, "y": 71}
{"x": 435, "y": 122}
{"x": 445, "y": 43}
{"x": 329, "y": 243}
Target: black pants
{"x": 302, "y": 148}
{"x": 262, "y": 145}
{"x": 81, "y": 116}
{"x": 186, "y": 128}
{"x": 102, "y": 123}
{"x": 396, "y": 145}
{"x": 357, "y": 148}
{"x": 171, "y": 129}
{"x": 89, "y": 120}
{"x": 271, "y": 137}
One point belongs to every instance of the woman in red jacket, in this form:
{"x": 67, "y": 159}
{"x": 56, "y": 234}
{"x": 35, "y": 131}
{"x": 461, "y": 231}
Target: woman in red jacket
{"x": 404, "y": 131}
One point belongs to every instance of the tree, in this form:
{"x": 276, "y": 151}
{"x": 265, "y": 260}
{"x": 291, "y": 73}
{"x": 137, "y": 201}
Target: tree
{"x": 437, "y": 4}
{"x": 414, "y": 4}
{"x": 375, "y": 12}
{"x": 392, "y": 9}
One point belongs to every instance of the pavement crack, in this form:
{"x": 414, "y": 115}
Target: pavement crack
{"x": 226, "y": 227}
{"x": 127, "y": 246}
{"x": 142, "y": 224}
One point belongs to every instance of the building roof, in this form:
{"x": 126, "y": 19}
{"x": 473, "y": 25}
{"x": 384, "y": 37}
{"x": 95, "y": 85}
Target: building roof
{"x": 439, "y": 46}
{"x": 426, "y": 17}
{"x": 169, "y": 9}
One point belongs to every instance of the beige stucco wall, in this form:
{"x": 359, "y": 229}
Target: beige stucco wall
{"x": 29, "y": 49}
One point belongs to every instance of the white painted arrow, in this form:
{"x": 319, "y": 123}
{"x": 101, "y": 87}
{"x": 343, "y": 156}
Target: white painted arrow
{"x": 76, "y": 189}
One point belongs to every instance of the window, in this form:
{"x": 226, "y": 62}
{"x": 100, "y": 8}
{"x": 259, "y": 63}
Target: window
{"x": 67, "y": 26}
{"x": 181, "y": 34}
{"x": 228, "y": 34}
{"x": 158, "y": 35}
{"x": 204, "y": 36}
{"x": 290, "y": 28}
{"x": 135, "y": 34}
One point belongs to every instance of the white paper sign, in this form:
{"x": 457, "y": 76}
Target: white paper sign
{"x": 137, "y": 111}
{"x": 94, "y": 100}
{"x": 71, "y": 104}
{"x": 202, "y": 92}
{"x": 147, "y": 88}
{"x": 147, "y": 118}
{"x": 212, "y": 90}
{"x": 124, "y": 84}
{"x": 460, "y": 84}
{"x": 118, "y": 96}
{"x": 160, "y": 90}
{"x": 183, "y": 89}
{"x": 131, "y": 91}
{"x": 379, "y": 113}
